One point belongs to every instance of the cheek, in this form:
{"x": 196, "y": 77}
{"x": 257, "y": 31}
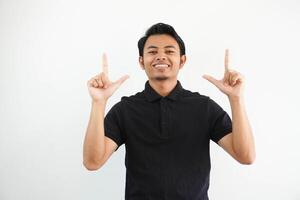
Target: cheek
{"x": 175, "y": 58}
{"x": 148, "y": 61}
{"x": 176, "y": 61}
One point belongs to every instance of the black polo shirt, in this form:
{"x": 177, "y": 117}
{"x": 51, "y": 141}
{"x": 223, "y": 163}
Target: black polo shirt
{"x": 167, "y": 142}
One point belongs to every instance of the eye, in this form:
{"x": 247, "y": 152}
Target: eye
{"x": 170, "y": 51}
{"x": 152, "y": 52}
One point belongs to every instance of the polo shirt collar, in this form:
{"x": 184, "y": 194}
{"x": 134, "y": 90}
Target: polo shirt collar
{"x": 152, "y": 95}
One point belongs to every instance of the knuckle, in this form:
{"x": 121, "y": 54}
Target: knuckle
{"x": 100, "y": 83}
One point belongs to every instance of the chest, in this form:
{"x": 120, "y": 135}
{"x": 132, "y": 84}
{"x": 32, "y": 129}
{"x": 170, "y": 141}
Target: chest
{"x": 166, "y": 121}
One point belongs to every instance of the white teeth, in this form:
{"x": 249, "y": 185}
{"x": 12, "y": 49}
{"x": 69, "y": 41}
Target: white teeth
{"x": 161, "y": 66}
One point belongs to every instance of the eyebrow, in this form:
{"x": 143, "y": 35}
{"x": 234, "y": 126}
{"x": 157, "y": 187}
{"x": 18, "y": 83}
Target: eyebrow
{"x": 155, "y": 47}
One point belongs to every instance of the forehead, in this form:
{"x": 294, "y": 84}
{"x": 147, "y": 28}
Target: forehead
{"x": 161, "y": 41}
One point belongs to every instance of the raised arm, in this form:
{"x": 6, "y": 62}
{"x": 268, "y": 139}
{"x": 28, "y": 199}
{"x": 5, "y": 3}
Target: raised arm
{"x": 240, "y": 143}
{"x": 98, "y": 148}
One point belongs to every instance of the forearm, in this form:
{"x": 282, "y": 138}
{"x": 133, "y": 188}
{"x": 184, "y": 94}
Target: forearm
{"x": 243, "y": 141}
{"x": 94, "y": 142}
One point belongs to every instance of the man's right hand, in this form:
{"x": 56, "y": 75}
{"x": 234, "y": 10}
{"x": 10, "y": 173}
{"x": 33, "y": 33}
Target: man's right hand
{"x": 100, "y": 87}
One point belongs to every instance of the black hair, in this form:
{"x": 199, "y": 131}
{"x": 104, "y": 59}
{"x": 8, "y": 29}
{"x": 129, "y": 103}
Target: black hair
{"x": 159, "y": 29}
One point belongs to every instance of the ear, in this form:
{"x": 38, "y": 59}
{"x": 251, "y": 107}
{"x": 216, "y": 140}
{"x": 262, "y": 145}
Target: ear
{"x": 141, "y": 61}
{"x": 182, "y": 61}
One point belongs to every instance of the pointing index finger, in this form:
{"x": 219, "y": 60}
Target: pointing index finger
{"x": 104, "y": 64}
{"x": 226, "y": 61}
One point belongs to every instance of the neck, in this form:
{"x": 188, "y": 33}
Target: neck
{"x": 163, "y": 87}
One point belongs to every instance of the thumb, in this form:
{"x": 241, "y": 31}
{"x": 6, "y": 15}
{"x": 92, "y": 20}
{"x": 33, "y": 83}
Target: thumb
{"x": 118, "y": 82}
{"x": 212, "y": 80}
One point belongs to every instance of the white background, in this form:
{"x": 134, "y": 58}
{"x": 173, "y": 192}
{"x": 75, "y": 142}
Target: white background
{"x": 49, "y": 49}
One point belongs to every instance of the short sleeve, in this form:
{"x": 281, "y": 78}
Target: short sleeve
{"x": 112, "y": 125}
{"x": 219, "y": 121}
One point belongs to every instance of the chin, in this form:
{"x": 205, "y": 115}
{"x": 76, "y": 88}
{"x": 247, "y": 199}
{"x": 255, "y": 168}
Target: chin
{"x": 161, "y": 78}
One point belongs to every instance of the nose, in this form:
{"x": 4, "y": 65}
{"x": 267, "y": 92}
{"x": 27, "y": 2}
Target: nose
{"x": 160, "y": 57}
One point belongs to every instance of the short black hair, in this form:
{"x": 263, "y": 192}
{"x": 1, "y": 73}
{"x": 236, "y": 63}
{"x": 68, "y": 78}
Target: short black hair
{"x": 159, "y": 29}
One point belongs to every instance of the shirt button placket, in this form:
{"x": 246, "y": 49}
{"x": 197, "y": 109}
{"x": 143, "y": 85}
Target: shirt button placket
{"x": 163, "y": 108}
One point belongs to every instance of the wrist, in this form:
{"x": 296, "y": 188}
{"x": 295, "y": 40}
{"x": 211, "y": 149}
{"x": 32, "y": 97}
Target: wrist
{"x": 236, "y": 98}
{"x": 99, "y": 102}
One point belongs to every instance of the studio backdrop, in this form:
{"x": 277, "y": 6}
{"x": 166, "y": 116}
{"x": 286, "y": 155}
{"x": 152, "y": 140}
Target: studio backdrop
{"x": 50, "y": 49}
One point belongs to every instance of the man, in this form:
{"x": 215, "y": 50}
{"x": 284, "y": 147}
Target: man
{"x": 166, "y": 129}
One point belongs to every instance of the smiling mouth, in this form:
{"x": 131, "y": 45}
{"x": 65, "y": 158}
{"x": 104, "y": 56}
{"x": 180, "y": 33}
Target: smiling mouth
{"x": 161, "y": 66}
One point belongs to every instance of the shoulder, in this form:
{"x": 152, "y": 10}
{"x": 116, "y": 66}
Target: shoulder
{"x": 126, "y": 100}
{"x": 187, "y": 94}
{"x": 196, "y": 95}
{"x": 139, "y": 96}
{"x": 202, "y": 100}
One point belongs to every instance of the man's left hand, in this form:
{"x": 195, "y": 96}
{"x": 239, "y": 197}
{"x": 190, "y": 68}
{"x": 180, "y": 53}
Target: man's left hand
{"x": 232, "y": 84}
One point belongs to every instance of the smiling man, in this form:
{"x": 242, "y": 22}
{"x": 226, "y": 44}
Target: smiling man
{"x": 166, "y": 129}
